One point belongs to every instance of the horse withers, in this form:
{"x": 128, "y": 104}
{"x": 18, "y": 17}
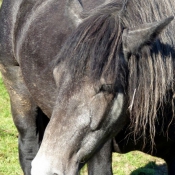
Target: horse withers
{"x": 86, "y": 87}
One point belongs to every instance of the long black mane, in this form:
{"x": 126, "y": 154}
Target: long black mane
{"x": 94, "y": 50}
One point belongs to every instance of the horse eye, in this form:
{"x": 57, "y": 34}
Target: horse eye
{"x": 107, "y": 88}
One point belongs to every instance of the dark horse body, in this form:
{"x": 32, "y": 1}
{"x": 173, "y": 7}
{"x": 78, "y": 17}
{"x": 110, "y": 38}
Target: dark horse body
{"x": 87, "y": 98}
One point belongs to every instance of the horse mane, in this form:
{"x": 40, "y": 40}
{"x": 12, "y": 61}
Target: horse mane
{"x": 94, "y": 46}
{"x": 151, "y": 75}
{"x": 94, "y": 50}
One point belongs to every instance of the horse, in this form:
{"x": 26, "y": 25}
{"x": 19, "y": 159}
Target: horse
{"x": 87, "y": 85}
{"x": 85, "y": 69}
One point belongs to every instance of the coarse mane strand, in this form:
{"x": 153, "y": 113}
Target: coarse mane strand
{"x": 151, "y": 77}
{"x": 93, "y": 49}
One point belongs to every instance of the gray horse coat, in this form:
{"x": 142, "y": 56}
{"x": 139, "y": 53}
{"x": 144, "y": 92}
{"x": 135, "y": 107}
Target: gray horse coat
{"x": 87, "y": 85}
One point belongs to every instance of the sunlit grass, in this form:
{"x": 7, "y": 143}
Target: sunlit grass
{"x": 8, "y": 137}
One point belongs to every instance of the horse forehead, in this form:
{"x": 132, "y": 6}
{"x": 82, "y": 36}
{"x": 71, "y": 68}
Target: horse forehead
{"x": 86, "y": 91}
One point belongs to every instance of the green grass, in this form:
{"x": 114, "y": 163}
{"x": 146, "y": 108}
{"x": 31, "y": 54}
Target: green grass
{"x": 134, "y": 163}
{"x": 8, "y": 137}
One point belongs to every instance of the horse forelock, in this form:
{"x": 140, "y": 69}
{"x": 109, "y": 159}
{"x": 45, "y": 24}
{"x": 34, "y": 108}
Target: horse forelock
{"x": 94, "y": 47}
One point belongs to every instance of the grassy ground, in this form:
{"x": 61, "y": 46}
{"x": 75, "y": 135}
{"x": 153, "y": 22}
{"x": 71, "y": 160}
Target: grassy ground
{"x": 134, "y": 163}
{"x": 8, "y": 137}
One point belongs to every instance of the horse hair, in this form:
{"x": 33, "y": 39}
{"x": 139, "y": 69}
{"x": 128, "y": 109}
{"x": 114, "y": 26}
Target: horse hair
{"x": 151, "y": 75}
{"x": 94, "y": 50}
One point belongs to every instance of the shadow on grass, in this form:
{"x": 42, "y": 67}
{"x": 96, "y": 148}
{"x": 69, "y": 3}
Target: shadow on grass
{"x": 151, "y": 169}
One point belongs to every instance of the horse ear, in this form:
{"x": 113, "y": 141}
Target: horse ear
{"x": 73, "y": 11}
{"x": 133, "y": 40}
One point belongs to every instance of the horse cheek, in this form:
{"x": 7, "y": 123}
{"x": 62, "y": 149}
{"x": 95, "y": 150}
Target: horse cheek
{"x": 99, "y": 109}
